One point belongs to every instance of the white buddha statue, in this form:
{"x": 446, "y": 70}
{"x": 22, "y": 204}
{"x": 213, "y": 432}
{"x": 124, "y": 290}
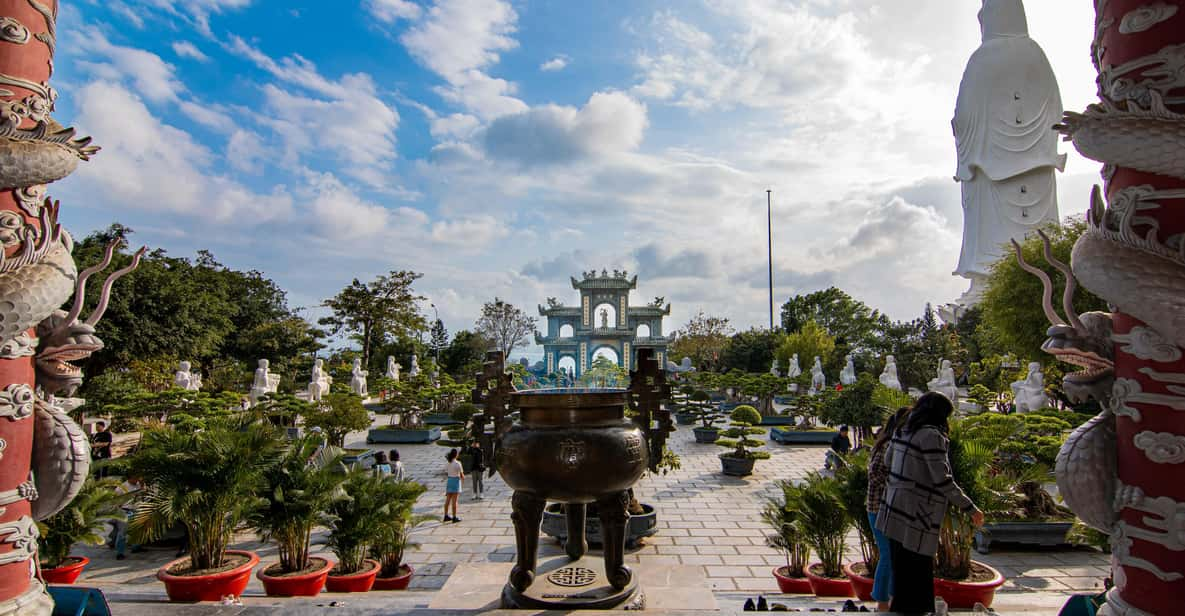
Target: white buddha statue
{"x": 793, "y": 370}
{"x": 392, "y": 369}
{"x": 415, "y": 366}
{"x": 1029, "y": 393}
{"x": 818, "y": 379}
{"x": 1008, "y": 100}
{"x": 773, "y": 368}
{"x": 889, "y": 374}
{"x": 187, "y": 379}
{"x": 265, "y": 382}
{"x": 358, "y": 379}
{"x": 847, "y": 376}
{"x": 945, "y": 382}
{"x": 319, "y": 381}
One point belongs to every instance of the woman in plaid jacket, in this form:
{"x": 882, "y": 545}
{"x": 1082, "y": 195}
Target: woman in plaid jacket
{"x": 919, "y": 488}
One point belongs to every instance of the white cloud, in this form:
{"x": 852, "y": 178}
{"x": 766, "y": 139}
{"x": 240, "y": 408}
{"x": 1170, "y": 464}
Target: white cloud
{"x": 146, "y": 72}
{"x": 557, "y": 63}
{"x": 340, "y": 212}
{"x": 186, "y": 49}
{"x": 609, "y": 122}
{"x": 206, "y": 115}
{"x": 197, "y": 12}
{"x": 469, "y": 234}
{"x": 390, "y": 11}
{"x": 244, "y": 151}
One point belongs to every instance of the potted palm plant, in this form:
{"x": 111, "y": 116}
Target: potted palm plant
{"x": 208, "y": 481}
{"x": 80, "y": 522}
{"x": 817, "y": 508}
{"x": 354, "y": 524}
{"x": 740, "y": 460}
{"x": 298, "y": 489}
{"x": 394, "y": 536}
{"x": 852, "y": 475}
{"x": 782, "y": 517}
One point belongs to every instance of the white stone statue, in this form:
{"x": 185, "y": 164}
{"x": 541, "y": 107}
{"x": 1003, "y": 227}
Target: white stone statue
{"x": 415, "y": 366}
{"x": 889, "y": 374}
{"x": 265, "y": 382}
{"x": 773, "y": 369}
{"x": 392, "y": 369}
{"x": 818, "y": 379}
{"x": 187, "y": 379}
{"x": 793, "y": 370}
{"x": 358, "y": 379}
{"x": 847, "y": 376}
{"x": 945, "y": 382}
{"x": 1008, "y": 100}
{"x": 681, "y": 367}
{"x": 319, "y": 381}
{"x": 1029, "y": 393}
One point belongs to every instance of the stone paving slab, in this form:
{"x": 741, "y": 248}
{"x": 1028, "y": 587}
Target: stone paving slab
{"x": 706, "y": 521}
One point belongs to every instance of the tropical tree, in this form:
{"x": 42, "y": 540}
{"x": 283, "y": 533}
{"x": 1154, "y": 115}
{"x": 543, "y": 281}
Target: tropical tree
{"x": 505, "y": 325}
{"x": 809, "y": 341}
{"x": 371, "y": 313}
{"x": 751, "y": 350}
{"x": 337, "y": 415}
{"x": 80, "y": 522}
{"x": 702, "y": 339}
{"x": 848, "y": 321}
{"x": 438, "y": 339}
{"x": 463, "y": 356}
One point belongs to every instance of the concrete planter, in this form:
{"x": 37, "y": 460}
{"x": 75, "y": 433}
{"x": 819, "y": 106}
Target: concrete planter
{"x": 778, "y": 420}
{"x": 685, "y": 419}
{"x": 737, "y": 467}
{"x": 358, "y": 458}
{"x": 1047, "y": 534}
{"x": 418, "y": 435}
{"x": 706, "y": 435}
{"x": 802, "y": 437}
{"x": 439, "y": 419}
{"x": 555, "y": 524}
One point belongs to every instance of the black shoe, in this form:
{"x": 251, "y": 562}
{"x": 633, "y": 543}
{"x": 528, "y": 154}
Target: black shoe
{"x": 762, "y": 606}
{"x": 120, "y": 557}
{"x": 447, "y": 519}
{"x": 455, "y": 520}
{"x": 850, "y": 606}
{"x": 749, "y": 607}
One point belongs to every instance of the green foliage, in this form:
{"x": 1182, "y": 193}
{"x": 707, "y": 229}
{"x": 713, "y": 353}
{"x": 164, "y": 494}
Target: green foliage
{"x": 810, "y": 340}
{"x": 282, "y": 409}
{"x": 464, "y": 412}
{"x": 207, "y": 480}
{"x": 297, "y": 491}
{"x": 1013, "y": 321}
{"x": 603, "y": 373}
{"x": 736, "y": 437}
{"x": 357, "y": 521}
{"x": 80, "y": 522}
{"x": 890, "y": 399}
{"x": 703, "y": 339}
{"x": 763, "y": 386}
{"x": 1018, "y": 441}
{"x": 849, "y": 322}
{"x": 852, "y": 476}
{"x": 750, "y": 351}
{"x": 745, "y": 413}
{"x": 463, "y": 356}
{"x": 818, "y": 502}
{"x": 854, "y": 406}
{"x": 187, "y": 410}
{"x": 505, "y": 325}
{"x": 970, "y": 463}
{"x": 376, "y": 312}
{"x": 337, "y": 415}
{"x": 781, "y": 514}
{"x": 393, "y": 538}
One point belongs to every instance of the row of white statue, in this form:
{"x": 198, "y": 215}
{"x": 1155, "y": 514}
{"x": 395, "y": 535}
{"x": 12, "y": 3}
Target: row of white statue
{"x": 267, "y": 382}
{"x": 1028, "y": 393}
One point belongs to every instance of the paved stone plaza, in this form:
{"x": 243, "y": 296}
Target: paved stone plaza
{"x": 706, "y": 519}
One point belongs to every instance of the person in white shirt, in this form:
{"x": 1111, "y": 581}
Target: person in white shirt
{"x": 452, "y": 486}
{"x": 396, "y": 465}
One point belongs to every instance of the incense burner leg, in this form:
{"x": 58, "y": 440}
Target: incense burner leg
{"x": 527, "y": 513}
{"x": 577, "y": 544}
{"x": 615, "y": 516}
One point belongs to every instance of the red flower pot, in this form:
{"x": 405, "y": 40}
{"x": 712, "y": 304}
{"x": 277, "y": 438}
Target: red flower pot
{"x": 361, "y": 581}
{"x": 212, "y": 587}
{"x": 67, "y": 573}
{"x": 860, "y": 584}
{"x": 964, "y": 595}
{"x": 303, "y": 585}
{"x": 827, "y": 587}
{"x": 792, "y": 585}
{"x": 399, "y": 582}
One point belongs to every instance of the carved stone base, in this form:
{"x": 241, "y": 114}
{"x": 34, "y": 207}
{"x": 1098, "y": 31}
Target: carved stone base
{"x": 561, "y": 584}
{"x": 35, "y": 602}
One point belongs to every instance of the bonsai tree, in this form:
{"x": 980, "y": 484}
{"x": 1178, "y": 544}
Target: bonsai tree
{"x": 355, "y": 521}
{"x": 393, "y": 538}
{"x": 818, "y": 503}
{"x": 703, "y": 410}
{"x": 852, "y": 476}
{"x": 80, "y": 522}
{"x": 736, "y": 437}
{"x": 209, "y": 481}
{"x": 337, "y": 415}
{"x": 297, "y": 491}
{"x": 853, "y": 407}
{"x": 282, "y": 409}
{"x": 409, "y": 399}
{"x": 781, "y": 514}
{"x": 763, "y": 387}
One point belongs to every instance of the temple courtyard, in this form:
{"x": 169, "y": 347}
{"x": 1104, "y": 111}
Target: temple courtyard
{"x": 711, "y": 538}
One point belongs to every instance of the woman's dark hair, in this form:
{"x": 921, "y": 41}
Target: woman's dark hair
{"x": 892, "y": 422}
{"x": 380, "y": 457}
{"x": 452, "y": 455}
{"x": 394, "y": 455}
{"x": 932, "y": 410}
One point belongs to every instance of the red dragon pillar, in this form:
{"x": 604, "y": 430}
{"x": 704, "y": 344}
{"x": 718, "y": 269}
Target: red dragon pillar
{"x": 1124, "y": 472}
{"x": 44, "y": 457}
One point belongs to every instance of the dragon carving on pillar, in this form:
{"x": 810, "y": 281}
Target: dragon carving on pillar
{"x": 1120, "y": 471}
{"x": 44, "y": 455}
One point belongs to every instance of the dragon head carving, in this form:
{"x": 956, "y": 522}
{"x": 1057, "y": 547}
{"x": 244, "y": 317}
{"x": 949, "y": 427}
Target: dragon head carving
{"x": 1084, "y": 341}
{"x": 63, "y": 339}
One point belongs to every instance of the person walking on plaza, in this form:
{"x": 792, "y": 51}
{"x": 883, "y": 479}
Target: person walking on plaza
{"x": 479, "y": 467}
{"x": 878, "y": 475}
{"x": 452, "y": 486}
{"x": 919, "y": 488}
{"x": 396, "y": 465}
{"x": 128, "y": 488}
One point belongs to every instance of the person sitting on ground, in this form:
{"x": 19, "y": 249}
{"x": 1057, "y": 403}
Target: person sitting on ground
{"x": 840, "y": 444}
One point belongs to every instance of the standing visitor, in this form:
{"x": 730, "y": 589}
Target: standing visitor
{"x": 452, "y": 486}
{"x": 381, "y": 467}
{"x": 479, "y": 467}
{"x": 128, "y": 488}
{"x": 919, "y": 488}
{"x": 396, "y": 465}
{"x": 878, "y": 475}
{"x": 101, "y": 446}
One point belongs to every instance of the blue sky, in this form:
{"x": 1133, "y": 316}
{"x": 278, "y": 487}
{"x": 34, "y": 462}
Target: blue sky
{"x": 502, "y": 146}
